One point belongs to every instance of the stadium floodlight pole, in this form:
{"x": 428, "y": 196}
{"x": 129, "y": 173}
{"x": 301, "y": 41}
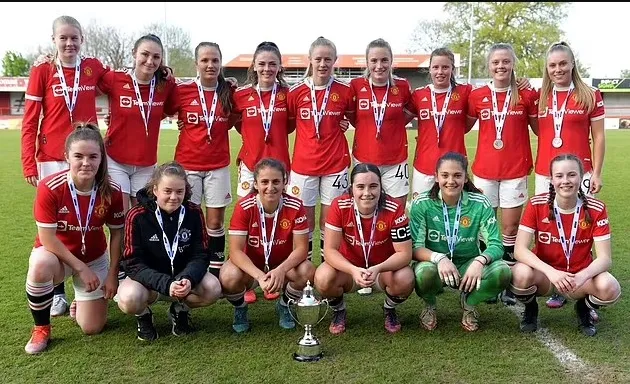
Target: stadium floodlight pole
{"x": 470, "y": 37}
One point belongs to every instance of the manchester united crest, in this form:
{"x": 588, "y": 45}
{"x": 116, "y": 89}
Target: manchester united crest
{"x": 285, "y": 224}
{"x": 394, "y": 90}
{"x": 245, "y": 185}
{"x": 281, "y": 96}
{"x": 334, "y": 97}
{"x": 87, "y": 71}
{"x": 295, "y": 190}
{"x": 381, "y": 226}
{"x": 455, "y": 96}
{"x": 465, "y": 221}
{"x": 584, "y": 224}
{"x": 100, "y": 210}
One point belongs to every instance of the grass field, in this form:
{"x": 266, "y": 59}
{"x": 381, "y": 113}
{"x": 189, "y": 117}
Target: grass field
{"x": 497, "y": 353}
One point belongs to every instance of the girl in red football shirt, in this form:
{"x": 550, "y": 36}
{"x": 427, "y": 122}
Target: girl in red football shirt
{"x": 138, "y": 100}
{"x": 570, "y": 113}
{"x": 441, "y": 109}
{"x": 260, "y": 106}
{"x": 268, "y": 245}
{"x": 368, "y": 244}
{"x": 564, "y": 225}
{"x": 71, "y": 208}
{"x": 381, "y": 118}
{"x": 320, "y": 103}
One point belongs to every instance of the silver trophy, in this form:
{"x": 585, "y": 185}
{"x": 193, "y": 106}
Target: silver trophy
{"x": 307, "y": 314}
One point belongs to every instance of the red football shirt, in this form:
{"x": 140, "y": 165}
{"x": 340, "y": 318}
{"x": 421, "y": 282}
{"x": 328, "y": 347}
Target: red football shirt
{"x": 453, "y": 130}
{"x": 576, "y": 129}
{"x": 514, "y": 160}
{"x": 44, "y": 95}
{"x": 246, "y": 222}
{"x": 127, "y": 140}
{"x": 254, "y": 148}
{"x": 392, "y": 225}
{"x": 547, "y": 241}
{"x": 194, "y": 151}
{"x": 54, "y": 209}
{"x": 329, "y": 154}
{"x": 391, "y": 147}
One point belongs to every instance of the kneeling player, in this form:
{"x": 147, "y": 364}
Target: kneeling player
{"x": 368, "y": 244}
{"x": 564, "y": 224}
{"x": 71, "y": 208}
{"x": 166, "y": 254}
{"x": 268, "y": 246}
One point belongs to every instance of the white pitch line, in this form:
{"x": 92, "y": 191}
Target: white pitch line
{"x": 565, "y": 356}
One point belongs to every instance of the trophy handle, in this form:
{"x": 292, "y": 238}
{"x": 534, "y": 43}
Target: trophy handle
{"x": 291, "y": 312}
{"x": 325, "y": 312}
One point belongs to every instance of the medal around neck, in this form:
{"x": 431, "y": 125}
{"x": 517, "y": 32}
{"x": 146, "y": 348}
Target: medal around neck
{"x": 307, "y": 314}
{"x": 556, "y": 142}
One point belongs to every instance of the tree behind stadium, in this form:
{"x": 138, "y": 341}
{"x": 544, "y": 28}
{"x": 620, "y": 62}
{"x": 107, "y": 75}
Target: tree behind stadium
{"x": 530, "y": 27}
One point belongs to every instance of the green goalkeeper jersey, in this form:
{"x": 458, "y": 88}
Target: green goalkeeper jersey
{"x": 477, "y": 219}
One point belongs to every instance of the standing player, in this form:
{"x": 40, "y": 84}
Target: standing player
{"x": 381, "y": 136}
{"x": 564, "y": 225}
{"x": 203, "y": 148}
{"x": 62, "y": 91}
{"x": 71, "y": 208}
{"x": 441, "y": 109}
{"x": 138, "y": 100}
{"x": 261, "y": 109}
{"x": 446, "y": 224}
{"x": 320, "y": 156}
{"x": 368, "y": 244}
{"x": 268, "y": 246}
{"x": 570, "y": 113}
{"x": 503, "y": 159}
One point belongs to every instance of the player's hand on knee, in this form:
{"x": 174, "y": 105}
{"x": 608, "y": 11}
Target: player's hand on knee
{"x": 448, "y": 273}
{"x": 90, "y": 279}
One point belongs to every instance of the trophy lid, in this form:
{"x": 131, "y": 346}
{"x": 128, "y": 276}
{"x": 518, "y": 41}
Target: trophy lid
{"x": 308, "y": 298}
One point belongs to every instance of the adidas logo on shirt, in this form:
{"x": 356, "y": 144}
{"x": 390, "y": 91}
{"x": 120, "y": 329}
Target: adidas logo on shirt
{"x": 424, "y": 99}
{"x": 126, "y": 86}
{"x": 436, "y": 219}
{"x": 64, "y": 209}
{"x": 485, "y": 100}
{"x": 251, "y": 98}
{"x": 306, "y": 98}
{"x": 350, "y": 225}
{"x": 363, "y": 89}
{"x": 545, "y": 220}
{"x": 255, "y": 225}
{"x": 194, "y": 103}
{"x": 154, "y": 238}
{"x": 56, "y": 75}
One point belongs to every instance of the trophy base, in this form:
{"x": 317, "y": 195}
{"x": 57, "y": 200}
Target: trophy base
{"x": 306, "y": 359}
